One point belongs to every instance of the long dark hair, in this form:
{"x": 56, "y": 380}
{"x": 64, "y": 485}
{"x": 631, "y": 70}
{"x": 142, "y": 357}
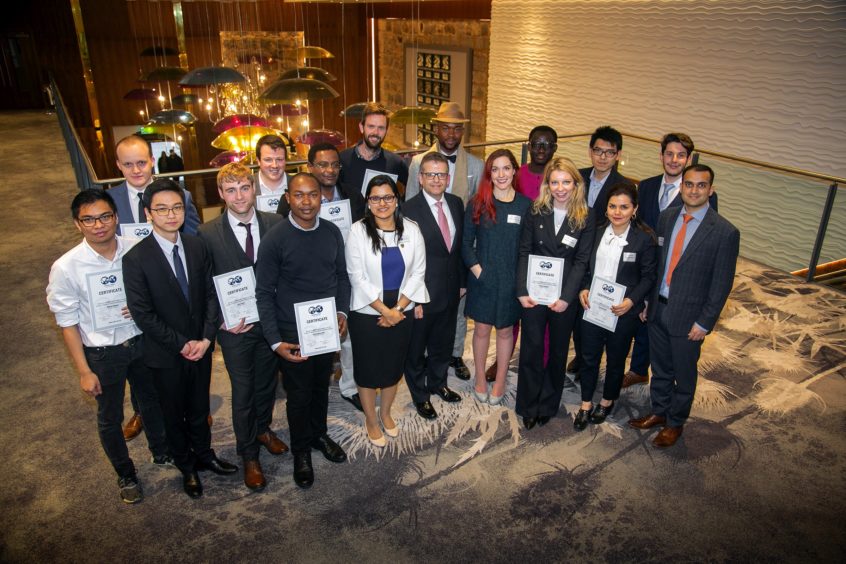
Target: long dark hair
{"x": 625, "y": 189}
{"x": 369, "y": 220}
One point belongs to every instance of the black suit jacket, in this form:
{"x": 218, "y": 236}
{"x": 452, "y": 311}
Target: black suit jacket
{"x": 355, "y": 198}
{"x": 445, "y": 271}
{"x": 156, "y": 302}
{"x": 601, "y": 202}
{"x": 648, "y": 194}
{"x": 538, "y": 237}
{"x": 637, "y": 275}
{"x": 227, "y": 255}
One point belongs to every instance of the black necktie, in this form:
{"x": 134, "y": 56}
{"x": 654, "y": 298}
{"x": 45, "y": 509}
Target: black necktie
{"x": 141, "y": 217}
{"x": 451, "y": 158}
{"x": 180, "y": 271}
{"x": 248, "y": 248}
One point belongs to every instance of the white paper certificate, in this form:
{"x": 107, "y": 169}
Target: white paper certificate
{"x": 236, "y": 292}
{"x": 370, "y": 173}
{"x": 268, "y": 202}
{"x": 604, "y": 294}
{"x": 338, "y": 213}
{"x": 136, "y": 231}
{"x": 544, "y": 279}
{"x": 107, "y": 298}
{"x": 317, "y": 327}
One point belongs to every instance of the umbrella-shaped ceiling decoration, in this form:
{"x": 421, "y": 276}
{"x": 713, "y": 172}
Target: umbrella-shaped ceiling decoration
{"x": 237, "y": 120}
{"x": 354, "y": 111}
{"x": 185, "y": 99}
{"x": 290, "y": 90}
{"x": 287, "y": 110}
{"x": 207, "y": 76}
{"x": 316, "y": 73}
{"x": 141, "y": 94}
{"x": 167, "y": 117}
{"x": 164, "y": 74}
{"x": 227, "y": 157}
{"x": 413, "y": 115}
{"x": 172, "y": 131}
{"x": 315, "y": 136}
{"x": 244, "y": 138}
{"x": 313, "y": 52}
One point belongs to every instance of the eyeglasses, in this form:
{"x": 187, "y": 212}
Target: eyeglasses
{"x": 105, "y": 219}
{"x": 164, "y": 212}
{"x": 604, "y": 152}
{"x": 387, "y": 199}
{"x": 541, "y": 145}
{"x": 326, "y": 166}
{"x": 433, "y": 175}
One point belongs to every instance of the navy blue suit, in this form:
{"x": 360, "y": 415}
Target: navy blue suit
{"x": 120, "y": 195}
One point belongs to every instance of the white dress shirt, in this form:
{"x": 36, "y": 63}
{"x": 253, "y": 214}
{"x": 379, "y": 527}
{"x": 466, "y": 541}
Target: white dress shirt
{"x": 266, "y": 190}
{"x": 167, "y": 249}
{"x": 451, "y": 170}
{"x": 133, "y": 202}
{"x": 608, "y": 253}
{"x": 674, "y": 191}
{"x": 595, "y": 186}
{"x": 434, "y": 209}
{"x": 241, "y": 233}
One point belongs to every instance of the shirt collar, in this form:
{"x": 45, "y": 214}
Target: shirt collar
{"x": 676, "y": 184}
{"x": 233, "y": 221}
{"x": 166, "y": 245}
{"x": 430, "y": 200}
{"x": 300, "y": 227}
{"x": 610, "y": 236}
{"x": 357, "y": 154}
{"x": 699, "y": 214}
{"x": 97, "y": 256}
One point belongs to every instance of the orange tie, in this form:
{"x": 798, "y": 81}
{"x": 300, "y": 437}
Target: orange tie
{"x": 678, "y": 244}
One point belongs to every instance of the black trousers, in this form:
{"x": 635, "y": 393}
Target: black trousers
{"x": 539, "y": 389}
{"x": 184, "y": 395}
{"x": 429, "y": 353}
{"x": 640, "y": 351}
{"x": 307, "y": 386}
{"x": 674, "y": 370}
{"x": 252, "y": 368}
{"x": 616, "y": 345}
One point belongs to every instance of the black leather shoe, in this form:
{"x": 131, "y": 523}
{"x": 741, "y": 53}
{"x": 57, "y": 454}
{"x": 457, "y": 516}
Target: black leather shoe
{"x": 461, "y": 370}
{"x": 192, "y": 485}
{"x": 303, "y": 472}
{"x": 582, "y": 418}
{"x": 530, "y": 422}
{"x": 355, "y": 401}
{"x": 600, "y": 413}
{"x": 543, "y": 420}
{"x": 330, "y": 449}
{"x": 217, "y": 465}
{"x": 448, "y": 395}
{"x": 426, "y": 410}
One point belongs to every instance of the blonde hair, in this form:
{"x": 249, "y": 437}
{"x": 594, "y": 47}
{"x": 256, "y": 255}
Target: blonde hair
{"x": 577, "y": 208}
{"x": 233, "y": 172}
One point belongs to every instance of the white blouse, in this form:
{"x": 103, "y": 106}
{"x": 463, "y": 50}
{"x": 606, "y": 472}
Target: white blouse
{"x": 608, "y": 253}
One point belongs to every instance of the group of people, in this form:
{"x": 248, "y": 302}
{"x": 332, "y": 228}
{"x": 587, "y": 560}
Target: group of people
{"x": 404, "y": 273}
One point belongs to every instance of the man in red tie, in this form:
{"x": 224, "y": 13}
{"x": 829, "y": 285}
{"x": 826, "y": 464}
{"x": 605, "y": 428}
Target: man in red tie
{"x": 698, "y": 257}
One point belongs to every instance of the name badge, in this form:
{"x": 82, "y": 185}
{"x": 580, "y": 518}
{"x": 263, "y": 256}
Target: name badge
{"x": 569, "y": 241}
{"x": 629, "y": 257}
{"x": 660, "y": 241}
{"x": 515, "y": 219}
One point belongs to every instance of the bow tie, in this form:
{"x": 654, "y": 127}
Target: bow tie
{"x": 451, "y": 158}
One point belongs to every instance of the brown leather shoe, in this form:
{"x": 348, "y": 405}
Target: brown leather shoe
{"x": 253, "y": 476}
{"x": 632, "y": 378}
{"x": 667, "y": 436}
{"x": 647, "y": 422}
{"x": 490, "y": 373}
{"x": 272, "y": 443}
{"x": 133, "y": 427}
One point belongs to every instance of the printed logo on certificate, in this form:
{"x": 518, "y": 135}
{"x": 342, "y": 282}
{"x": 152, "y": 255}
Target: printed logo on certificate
{"x": 370, "y": 173}
{"x": 107, "y": 298}
{"x": 338, "y": 213}
{"x": 603, "y": 295}
{"x": 236, "y": 292}
{"x": 136, "y": 231}
{"x": 268, "y": 202}
{"x": 317, "y": 327}
{"x": 544, "y": 279}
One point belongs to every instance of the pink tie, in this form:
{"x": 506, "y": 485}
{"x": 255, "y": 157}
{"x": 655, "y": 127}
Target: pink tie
{"x": 442, "y": 223}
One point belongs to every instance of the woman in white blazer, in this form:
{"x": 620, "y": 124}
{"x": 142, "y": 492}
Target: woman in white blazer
{"x": 386, "y": 262}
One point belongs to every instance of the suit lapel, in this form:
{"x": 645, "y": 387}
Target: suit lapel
{"x": 701, "y": 234}
{"x": 165, "y": 267}
{"x": 231, "y": 242}
{"x": 429, "y": 221}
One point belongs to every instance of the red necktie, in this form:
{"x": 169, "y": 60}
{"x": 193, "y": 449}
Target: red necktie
{"x": 443, "y": 224}
{"x": 678, "y": 244}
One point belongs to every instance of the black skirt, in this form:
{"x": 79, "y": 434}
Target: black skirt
{"x": 379, "y": 352}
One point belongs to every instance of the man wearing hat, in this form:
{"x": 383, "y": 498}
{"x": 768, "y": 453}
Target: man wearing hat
{"x": 465, "y": 172}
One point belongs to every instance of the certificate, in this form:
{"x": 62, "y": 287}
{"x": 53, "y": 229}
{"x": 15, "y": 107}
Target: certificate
{"x": 370, "y": 173}
{"x": 107, "y": 298}
{"x": 136, "y": 231}
{"x": 268, "y": 202}
{"x": 603, "y": 294}
{"x": 544, "y": 279}
{"x": 339, "y": 214}
{"x": 317, "y": 327}
{"x": 236, "y": 292}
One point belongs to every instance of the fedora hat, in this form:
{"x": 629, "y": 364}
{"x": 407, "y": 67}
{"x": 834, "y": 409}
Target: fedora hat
{"x": 450, "y": 112}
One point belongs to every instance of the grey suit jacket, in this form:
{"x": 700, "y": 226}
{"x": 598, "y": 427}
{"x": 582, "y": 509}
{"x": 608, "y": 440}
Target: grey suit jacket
{"x": 120, "y": 195}
{"x": 468, "y": 172}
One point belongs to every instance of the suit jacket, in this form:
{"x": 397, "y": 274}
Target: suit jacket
{"x": 538, "y": 237}
{"x": 227, "y": 255}
{"x": 355, "y": 198}
{"x": 648, "y": 194}
{"x": 704, "y": 275}
{"x": 601, "y": 202}
{"x": 156, "y": 302}
{"x": 445, "y": 271}
{"x": 637, "y": 275}
{"x": 120, "y": 195}
{"x": 468, "y": 173}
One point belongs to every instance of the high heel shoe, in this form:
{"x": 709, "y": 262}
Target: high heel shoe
{"x": 481, "y": 398}
{"x": 379, "y": 442}
{"x": 582, "y": 418}
{"x": 393, "y": 432}
{"x": 495, "y": 400}
{"x": 601, "y": 412}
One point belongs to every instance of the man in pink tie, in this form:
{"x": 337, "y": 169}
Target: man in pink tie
{"x": 440, "y": 217}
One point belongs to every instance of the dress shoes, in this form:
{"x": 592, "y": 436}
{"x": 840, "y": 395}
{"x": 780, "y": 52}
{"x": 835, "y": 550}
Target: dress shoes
{"x": 461, "y": 370}
{"x": 632, "y": 378}
{"x": 217, "y": 465}
{"x": 448, "y": 395}
{"x": 380, "y": 442}
{"x": 303, "y": 471}
{"x": 426, "y": 410}
{"x": 667, "y": 436}
{"x": 601, "y": 413}
{"x": 495, "y": 400}
{"x": 253, "y": 475}
{"x": 392, "y": 432}
{"x": 133, "y": 427}
{"x": 272, "y": 443}
{"x": 530, "y": 422}
{"x": 330, "y": 449}
{"x": 582, "y": 418}
{"x": 543, "y": 420}
{"x": 490, "y": 373}
{"x": 647, "y": 422}
{"x": 354, "y": 400}
{"x": 192, "y": 485}
{"x": 480, "y": 397}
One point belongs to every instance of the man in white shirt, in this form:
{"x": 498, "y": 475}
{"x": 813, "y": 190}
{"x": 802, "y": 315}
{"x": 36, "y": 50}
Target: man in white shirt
{"x": 271, "y": 181}
{"x": 106, "y": 351}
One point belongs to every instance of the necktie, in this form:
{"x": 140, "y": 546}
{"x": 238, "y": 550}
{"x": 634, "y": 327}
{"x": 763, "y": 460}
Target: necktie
{"x": 248, "y": 248}
{"x": 141, "y": 217}
{"x": 180, "y": 271}
{"x": 677, "y": 246}
{"x": 451, "y": 158}
{"x": 443, "y": 224}
{"x": 665, "y": 197}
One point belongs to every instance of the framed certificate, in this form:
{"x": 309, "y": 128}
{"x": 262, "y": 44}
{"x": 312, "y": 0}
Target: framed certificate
{"x": 603, "y": 295}
{"x": 107, "y": 298}
{"x": 236, "y": 292}
{"x": 317, "y": 327}
{"x": 338, "y": 213}
{"x": 370, "y": 173}
{"x": 544, "y": 279}
{"x": 136, "y": 231}
{"x": 268, "y": 202}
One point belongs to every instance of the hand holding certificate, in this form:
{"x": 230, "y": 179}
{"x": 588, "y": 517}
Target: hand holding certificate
{"x": 604, "y": 295}
{"x": 317, "y": 327}
{"x": 544, "y": 279}
{"x": 107, "y": 299}
{"x": 236, "y": 292}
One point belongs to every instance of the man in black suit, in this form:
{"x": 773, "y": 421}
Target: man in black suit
{"x": 170, "y": 293}
{"x": 698, "y": 256}
{"x": 233, "y": 239}
{"x": 440, "y": 217}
